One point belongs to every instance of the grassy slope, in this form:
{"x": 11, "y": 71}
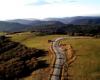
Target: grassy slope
{"x": 87, "y": 64}
{"x": 2, "y": 33}
{"x": 40, "y": 42}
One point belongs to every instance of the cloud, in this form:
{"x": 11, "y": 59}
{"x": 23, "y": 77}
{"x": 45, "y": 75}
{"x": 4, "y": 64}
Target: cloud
{"x": 10, "y": 9}
{"x": 54, "y": 1}
{"x": 46, "y": 2}
{"x": 38, "y": 2}
{"x": 73, "y": 1}
{"x": 60, "y": 1}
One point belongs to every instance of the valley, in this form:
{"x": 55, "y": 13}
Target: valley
{"x": 86, "y": 50}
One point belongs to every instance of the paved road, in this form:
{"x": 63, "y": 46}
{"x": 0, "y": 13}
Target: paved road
{"x": 60, "y": 60}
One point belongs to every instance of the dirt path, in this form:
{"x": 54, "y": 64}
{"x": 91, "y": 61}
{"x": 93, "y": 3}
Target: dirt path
{"x": 64, "y": 56}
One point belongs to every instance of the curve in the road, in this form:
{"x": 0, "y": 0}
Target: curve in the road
{"x": 60, "y": 60}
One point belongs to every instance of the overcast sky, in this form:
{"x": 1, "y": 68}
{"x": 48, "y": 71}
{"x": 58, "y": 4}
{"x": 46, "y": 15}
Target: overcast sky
{"x": 39, "y": 9}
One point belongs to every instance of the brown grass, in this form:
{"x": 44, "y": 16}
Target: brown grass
{"x": 87, "y": 64}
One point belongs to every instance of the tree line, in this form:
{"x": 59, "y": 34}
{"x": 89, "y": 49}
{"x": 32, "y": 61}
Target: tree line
{"x": 69, "y": 29}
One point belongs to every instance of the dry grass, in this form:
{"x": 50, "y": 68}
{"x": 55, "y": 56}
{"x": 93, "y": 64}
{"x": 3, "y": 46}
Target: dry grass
{"x": 40, "y": 42}
{"x": 87, "y": 64}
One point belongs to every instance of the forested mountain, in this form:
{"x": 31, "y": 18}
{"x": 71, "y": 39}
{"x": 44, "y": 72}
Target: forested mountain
{"x": 8, "y": 26}
{"x": 85, "y": 21}
{"x": 35, "y": 22}
{"x": 82, "y": 25}
{"x": 15, "y": 27}
{"x": 24, "y": 21}
{"x": 81, "y": 20}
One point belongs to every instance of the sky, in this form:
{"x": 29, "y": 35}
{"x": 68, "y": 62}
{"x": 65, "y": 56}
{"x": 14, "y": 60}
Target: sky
{"x": 40, "y": 9}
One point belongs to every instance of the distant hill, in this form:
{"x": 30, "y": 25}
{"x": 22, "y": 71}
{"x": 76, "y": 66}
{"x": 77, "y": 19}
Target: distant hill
{"x": 65, "y": 20}
{"x": 85, "y": 21}
{"x": 35, "y": 22}
{"x": 8, "y": 26}
{"x": 21, "y": 26}
{"x": 24, "y": 21}
{"x": 52, "y": 25}
{"x": 79, "y": 20}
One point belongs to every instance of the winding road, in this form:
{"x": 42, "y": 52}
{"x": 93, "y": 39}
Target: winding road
{"x": 60, "y": 59}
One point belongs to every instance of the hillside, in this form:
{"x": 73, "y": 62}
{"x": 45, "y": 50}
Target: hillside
{"x": 7, "y": 26}
{"x": 20, "y": 26}
{"x": 78, "y": 20}
{"x": 80, "y": 25}
{"x": 23, "y": 21}
{"x": 87, "y": 50}
{"x": 17, "y": 60}
{"x": 86, "y": 21}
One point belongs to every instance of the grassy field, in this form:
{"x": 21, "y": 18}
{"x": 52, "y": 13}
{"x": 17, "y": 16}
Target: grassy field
{"x": 2, "y": 33}
{"x": 87, "y": 64}
{"x": 31, "y": 40}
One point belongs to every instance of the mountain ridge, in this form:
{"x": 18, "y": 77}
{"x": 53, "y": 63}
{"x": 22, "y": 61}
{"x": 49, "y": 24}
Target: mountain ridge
{"x": 33, "y": 24}
{"x": 65, "y": 20}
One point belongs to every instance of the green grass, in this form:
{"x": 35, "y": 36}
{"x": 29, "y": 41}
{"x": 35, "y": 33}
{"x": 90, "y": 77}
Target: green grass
{"x": 40, "y": 42}
{"x": 87, "y": 64}
{"x": 2, "y": 33}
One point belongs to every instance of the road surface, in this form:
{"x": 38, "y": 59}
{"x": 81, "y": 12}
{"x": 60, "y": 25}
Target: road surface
{"x": 60, "y": 60}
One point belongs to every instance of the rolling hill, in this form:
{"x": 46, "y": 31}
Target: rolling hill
{"x": 21, "y": 26}
{"x": 8, "y": 26}
{"x": 53, "y": 25}
{"x": 79, "y": 20}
